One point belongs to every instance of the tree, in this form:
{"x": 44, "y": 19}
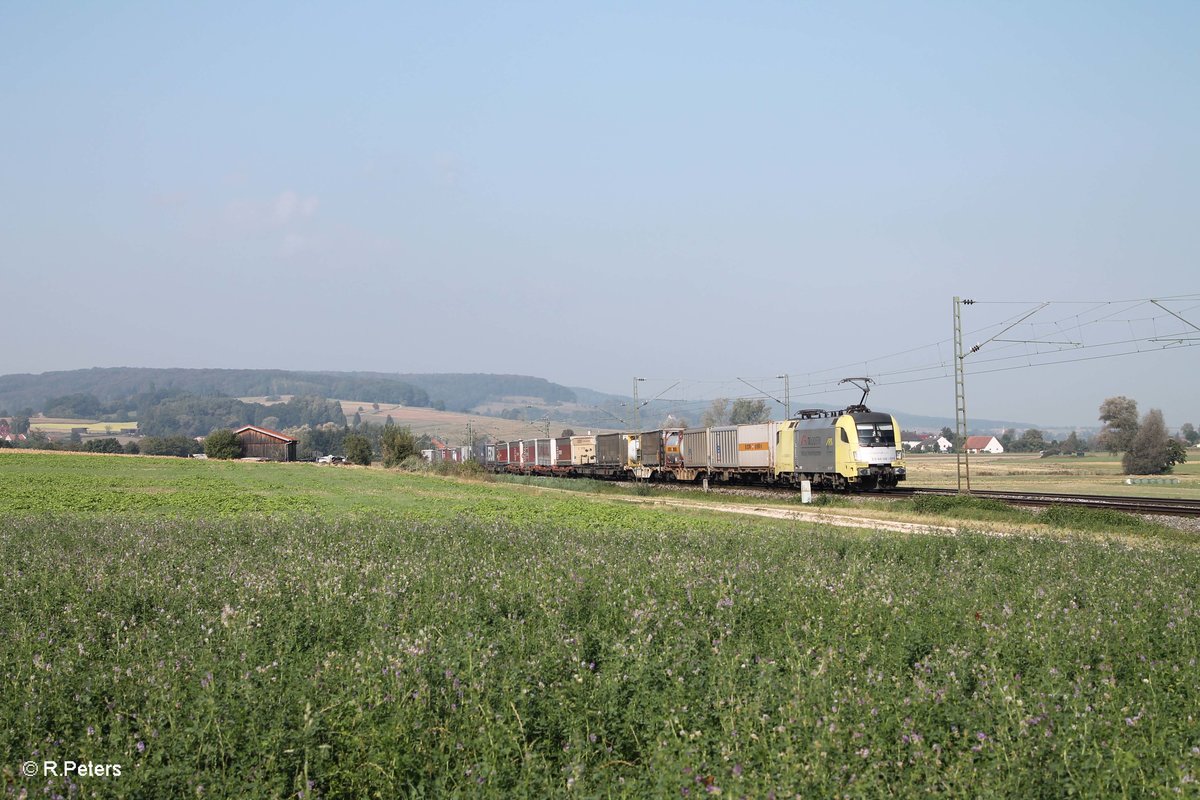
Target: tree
{"x": 357, "y": 449}
{"x": 109, "y": 445}
{"x": 181, "y": 446}
{"x": 1071, "y": 445}
{"x": 1149, "y": 452}
{"x": 566, "y": 433}
{"x": 1189, "y": 433}
{"x": 397, "y": 444}
{"x": 749, "y": 412}
{"x": 223, "y": 444}
{"x": 357, "y": 419}
{"x": 717, "y": 413}
{"x": 1120, "y": 418}
{"x": 1007, "y": 438}
{"x": 1176, "y": 454}
{"x": 1031, "y": 441}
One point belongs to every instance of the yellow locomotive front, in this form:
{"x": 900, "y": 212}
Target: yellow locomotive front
{"x": 869, "y": 452}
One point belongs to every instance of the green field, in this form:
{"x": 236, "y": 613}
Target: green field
{"x": 262, "y": 630}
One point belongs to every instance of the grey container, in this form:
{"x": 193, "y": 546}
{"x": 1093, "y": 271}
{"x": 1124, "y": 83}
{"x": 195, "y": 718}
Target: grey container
{"x": 611, "y": 450}
{"x": 651, "y": 448}
{"x": 723, "y": 447}
{"x": 694, "y": 448}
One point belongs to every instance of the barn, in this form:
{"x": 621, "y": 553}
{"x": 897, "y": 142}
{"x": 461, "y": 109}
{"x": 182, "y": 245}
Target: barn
{"x": 266, "y": 444}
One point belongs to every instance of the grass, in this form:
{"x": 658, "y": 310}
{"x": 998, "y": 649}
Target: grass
{"x": 291, "y": 630}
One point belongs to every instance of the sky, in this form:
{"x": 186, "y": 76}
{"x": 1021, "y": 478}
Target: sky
{"x": 706, "y": 195}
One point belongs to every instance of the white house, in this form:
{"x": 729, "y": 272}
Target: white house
{"x": 984, "y": 444}
{"x": 943, "y": 444}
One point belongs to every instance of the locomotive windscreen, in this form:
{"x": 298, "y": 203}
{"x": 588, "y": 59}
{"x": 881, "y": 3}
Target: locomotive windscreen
{"x": 876, "y": 434}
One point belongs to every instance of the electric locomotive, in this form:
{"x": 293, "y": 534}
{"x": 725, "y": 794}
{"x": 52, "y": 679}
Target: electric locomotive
{"x": 855, "y": 448}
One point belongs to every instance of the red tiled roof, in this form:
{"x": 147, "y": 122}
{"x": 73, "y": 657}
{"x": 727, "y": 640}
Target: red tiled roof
{"x": 283, "y": 437}
{"x": 978, "y": 442}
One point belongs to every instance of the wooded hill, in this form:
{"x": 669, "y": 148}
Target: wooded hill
{"x": 110, "y": 385}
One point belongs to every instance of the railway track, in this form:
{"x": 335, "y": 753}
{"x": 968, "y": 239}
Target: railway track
{"x": 1132, "y": 505}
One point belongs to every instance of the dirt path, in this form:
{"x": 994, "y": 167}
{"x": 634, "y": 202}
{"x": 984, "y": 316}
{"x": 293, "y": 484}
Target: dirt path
{"x": 837, "y": 520}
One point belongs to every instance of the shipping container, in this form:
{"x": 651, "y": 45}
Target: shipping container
{"x": 583, "y": 449}
{"x": 502, "y": 453}
{"x": 723, "y": 447}
{"x": 693, "y": 447}
{"x": 756, "y": 445}
{"x": 528, "y": 452}
{"x": 611, "y": 450}
{"x": 545, "y": 452}
{"x": 562, "y": 452}
{"x": 652, "y": 448}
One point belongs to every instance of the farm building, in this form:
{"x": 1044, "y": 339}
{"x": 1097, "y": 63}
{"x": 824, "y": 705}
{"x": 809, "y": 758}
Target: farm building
{"x": 265, "y": 443}
{"x": 984, "y": 444}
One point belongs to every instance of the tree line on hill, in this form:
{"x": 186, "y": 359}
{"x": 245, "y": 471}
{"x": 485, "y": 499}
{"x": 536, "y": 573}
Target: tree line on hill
{"x": 116, "y": 387}
{"x": 166, "y": 413}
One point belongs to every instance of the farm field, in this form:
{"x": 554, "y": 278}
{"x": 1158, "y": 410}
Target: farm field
{"x": 268, "y": 630}
{"x": 449, "y": 426}
{"x": 1095, "y": 473}
{"x": 51, "y": 425}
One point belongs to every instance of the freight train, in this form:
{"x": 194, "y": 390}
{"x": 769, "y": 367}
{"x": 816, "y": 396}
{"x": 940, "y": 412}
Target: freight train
{"x": 850, "y": 449}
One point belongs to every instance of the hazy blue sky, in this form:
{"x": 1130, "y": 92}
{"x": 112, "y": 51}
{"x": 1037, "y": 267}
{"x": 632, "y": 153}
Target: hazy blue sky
{"x": 593, "y": 192}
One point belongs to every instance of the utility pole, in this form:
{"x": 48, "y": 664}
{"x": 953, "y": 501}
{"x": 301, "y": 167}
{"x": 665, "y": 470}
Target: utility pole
{"x": 787, "y": 394}
{"x": 962, "y": 461}
{"x": 637, "y": 408}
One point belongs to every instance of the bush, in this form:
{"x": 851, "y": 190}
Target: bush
{"x": 397, "y": 445}
{"x": 102, "y": 446}
{"x": 357, "y": 449}
{"x": 223, "y": 444}
{"x": 182, "y": 446}
{"x": 415, "y": 464}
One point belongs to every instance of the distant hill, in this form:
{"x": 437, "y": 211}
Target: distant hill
{"x": 536, "y": 401}
{"x": 112, "y": 384}
{"x": 465, "y": 391}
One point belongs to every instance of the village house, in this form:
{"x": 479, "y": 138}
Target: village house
{"x": 984, "y": 444}
{"x": 927, "y": 444}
